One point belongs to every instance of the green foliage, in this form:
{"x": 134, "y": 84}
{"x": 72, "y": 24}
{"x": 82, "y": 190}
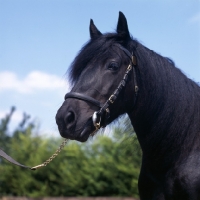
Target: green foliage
{"x": 104, "y": 166}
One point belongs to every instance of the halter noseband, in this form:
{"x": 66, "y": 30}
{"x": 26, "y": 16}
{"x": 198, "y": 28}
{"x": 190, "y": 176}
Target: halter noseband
{"x": 104, "y": 108}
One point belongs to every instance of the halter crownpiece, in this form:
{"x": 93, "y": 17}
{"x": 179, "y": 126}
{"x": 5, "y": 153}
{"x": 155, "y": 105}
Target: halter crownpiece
{"x": 104, "y": 108}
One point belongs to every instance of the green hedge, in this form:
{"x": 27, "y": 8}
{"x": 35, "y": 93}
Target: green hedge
{"x": 103, "y": 166}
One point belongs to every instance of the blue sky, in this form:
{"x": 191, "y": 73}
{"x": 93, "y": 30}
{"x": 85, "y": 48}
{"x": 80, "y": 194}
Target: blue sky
{"x": 40, "y": 38}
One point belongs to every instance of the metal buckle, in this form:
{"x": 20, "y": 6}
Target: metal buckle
{"x": 94, "y": 120}
{"x": 136, "y": 89}
{"x": 110, "y": 99}
{"x": 129, "y": 67}
{"x": 98, "y": 126}
{"x": 134, "y": 61}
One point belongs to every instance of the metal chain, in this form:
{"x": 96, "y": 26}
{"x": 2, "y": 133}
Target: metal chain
{"x": 52, "y": 157}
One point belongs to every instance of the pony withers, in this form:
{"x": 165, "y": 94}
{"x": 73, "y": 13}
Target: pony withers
{"x": 114, "y": 74}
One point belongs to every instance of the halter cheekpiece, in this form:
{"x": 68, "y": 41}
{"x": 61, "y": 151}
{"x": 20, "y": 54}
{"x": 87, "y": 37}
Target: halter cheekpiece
{"x": 104, "y": 108}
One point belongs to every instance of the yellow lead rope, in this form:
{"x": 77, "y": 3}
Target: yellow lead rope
{"x": 52, "y": 157}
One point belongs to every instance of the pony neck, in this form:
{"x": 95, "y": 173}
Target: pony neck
{"x": 166, "y": 105}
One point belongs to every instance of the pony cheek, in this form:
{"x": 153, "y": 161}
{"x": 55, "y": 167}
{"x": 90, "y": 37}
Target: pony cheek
{"x": 109, "y": 87}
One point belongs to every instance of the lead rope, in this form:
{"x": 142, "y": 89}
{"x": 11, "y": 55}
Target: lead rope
{"x": 52, "y": 157}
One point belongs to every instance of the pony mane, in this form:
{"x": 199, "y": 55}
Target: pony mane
{"x": 171, "y": 98}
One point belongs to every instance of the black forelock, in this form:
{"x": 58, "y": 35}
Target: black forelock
{"x": 94, "y": 48}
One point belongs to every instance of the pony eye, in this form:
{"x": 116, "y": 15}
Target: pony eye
{"x": 113, "y": 66}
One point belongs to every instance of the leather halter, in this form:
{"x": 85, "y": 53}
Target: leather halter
{"x": 104, "y": 108}
{"x": 83, "y": 97}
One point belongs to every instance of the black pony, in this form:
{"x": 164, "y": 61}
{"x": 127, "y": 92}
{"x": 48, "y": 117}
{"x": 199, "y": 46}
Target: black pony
{"x": 114, "y": 74}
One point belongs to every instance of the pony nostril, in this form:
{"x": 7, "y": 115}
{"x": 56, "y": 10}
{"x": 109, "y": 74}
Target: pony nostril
{"x": 70, "y": 117}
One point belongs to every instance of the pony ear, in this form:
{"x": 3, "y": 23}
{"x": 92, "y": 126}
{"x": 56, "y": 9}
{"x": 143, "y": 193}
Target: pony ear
{"x": 94, "y": 32}
{"x": 122, "y": 26}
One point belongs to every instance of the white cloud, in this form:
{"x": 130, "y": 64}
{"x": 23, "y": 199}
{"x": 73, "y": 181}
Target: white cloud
{"x": 34, "y": 81}
{"x": 195, "y": 18}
